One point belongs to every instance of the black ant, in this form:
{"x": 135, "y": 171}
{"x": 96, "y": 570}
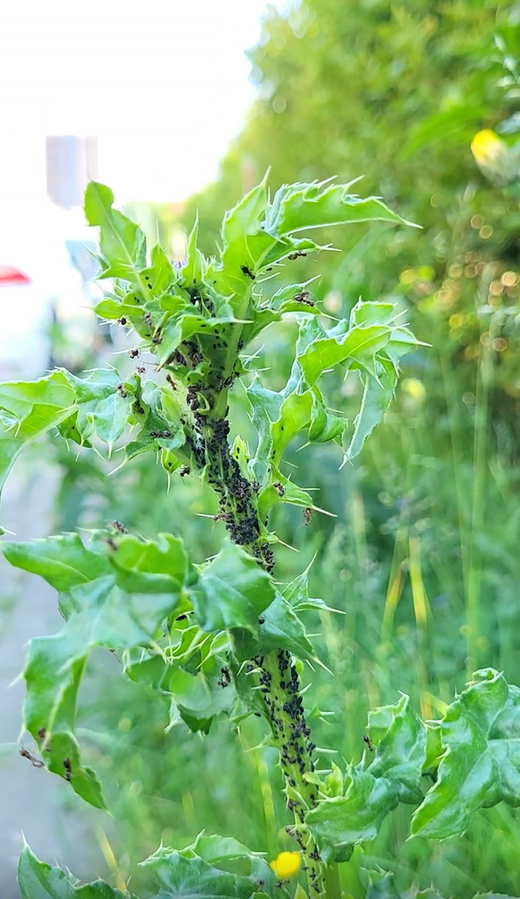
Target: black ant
{"x": 117, "y": 526}
{"x": 368, "y": 741}
{"x": 247, "y": 271}
{"x": 293, "y": 256}
{"x": 307, "y": 516}
{"x": 280, "y": 489}
{"x": 134, "y": 353}
{"x": 68, "y": 769}
{"x": 36, "y": 763}
{"x": 304, "y": 297}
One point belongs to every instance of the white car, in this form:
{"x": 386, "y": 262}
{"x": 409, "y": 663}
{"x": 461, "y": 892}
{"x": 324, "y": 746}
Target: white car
{"x": 46, "y": 290}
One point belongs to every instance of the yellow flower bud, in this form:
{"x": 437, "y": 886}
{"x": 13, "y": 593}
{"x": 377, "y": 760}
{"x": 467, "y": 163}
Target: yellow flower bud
{"x": 286, "y": 864}
{"x": 487, "y": 148}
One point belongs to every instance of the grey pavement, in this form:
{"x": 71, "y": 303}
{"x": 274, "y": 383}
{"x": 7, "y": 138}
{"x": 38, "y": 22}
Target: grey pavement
{"x": 32, "y": 801}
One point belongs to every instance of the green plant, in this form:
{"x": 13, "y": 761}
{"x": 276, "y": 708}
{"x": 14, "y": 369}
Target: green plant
{"x": 222, "y": 637}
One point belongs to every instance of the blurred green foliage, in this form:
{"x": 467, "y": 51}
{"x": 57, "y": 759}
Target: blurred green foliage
{"x": 422, "y": 558}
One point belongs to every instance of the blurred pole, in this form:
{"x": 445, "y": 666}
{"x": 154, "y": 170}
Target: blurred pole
{"x": 71, "y": 164}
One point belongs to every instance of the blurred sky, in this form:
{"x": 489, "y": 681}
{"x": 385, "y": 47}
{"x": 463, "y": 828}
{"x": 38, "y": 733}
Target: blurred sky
{"x": 162, "y": 83}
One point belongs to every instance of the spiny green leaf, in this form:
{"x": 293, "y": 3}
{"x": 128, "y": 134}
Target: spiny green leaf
{"x": 193, "y": 878}
{"x": 214, "y": 848}
{"x": 358, "y": 814}
{"x": 373, "y": 313}
{"x": 63, "y": 561}
{"x": 297, "y": 595}
{"x": 99, "y": 612}
{"x": 159, "y": 275}
{"x": 232, "y": 591}
{"x": 29, "y": 409}
{"x": 159, "y": 415}
{"x": 194, "y": 269}
{"x": 187, "y": 673}
{"x": 294, "y": 298}
{"x": 197, "y": 700}
{"x": 245, "y": 244}
{"x": 377, "y": 396}
{"x": 375, "y": 786}
{"x": 282, "y": 490}
{"x": 401, "y": 751}
{"x": 122, "y": 242}
{"x": 53, "y": 673}
{"x": 38, "y": 880}
{"x": 280, "y": 628}
{"x": 112, "y": 310}
{"x": 383, "y": 888}
{"x": 324, "y": 425}
{"x": 103, "y": 405}
{"x": 265, "y": 409}
{"x": 295, "y": 416}
{"x": 298, "y": 207}
{"x": 359, "y": 344}
{"x": 182, "y": 326}
{"x": 480, "y": 734}
{"x": 160, "y": 566}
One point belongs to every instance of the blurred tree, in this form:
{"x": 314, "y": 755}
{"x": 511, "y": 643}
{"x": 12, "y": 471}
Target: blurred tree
{"x": 392, "y": 91}
{"x": 395, "y": 92}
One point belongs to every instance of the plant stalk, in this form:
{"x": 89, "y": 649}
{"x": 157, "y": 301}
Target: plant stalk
{"x": 278, "y": 680}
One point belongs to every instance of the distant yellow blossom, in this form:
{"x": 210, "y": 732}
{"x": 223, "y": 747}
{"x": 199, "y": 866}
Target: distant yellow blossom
{"x": 414, "y": 388}
{"x": 496, "y": 160}
{"x": 286, "y": 864}
{"x": 488, "y": 148}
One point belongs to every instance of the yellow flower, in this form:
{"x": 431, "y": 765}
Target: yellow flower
{"x": 286, "y": 864}
{"x": 487, "y": 148}
{"x": 496, "y": 161}
{"x": 414, "y": 388}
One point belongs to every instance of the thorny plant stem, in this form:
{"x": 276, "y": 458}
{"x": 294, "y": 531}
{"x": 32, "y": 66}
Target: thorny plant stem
{"x": 279, "y": 679}
{"x": 210, "y": 454}
{"x": 281, "y": 688}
